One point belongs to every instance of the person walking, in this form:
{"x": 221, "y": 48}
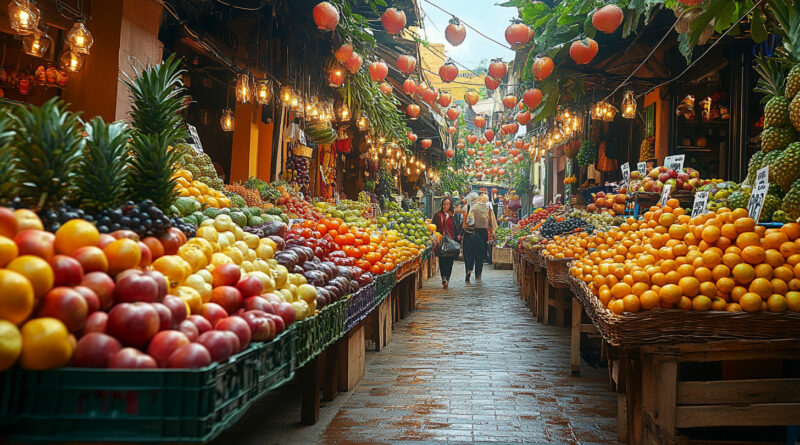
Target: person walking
{"x": 479, "y": 225}
{"x": 447, "y": 223}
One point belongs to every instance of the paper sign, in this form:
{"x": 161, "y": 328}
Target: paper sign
{"x": 759, "y": 193}
{"x": 700, "y": 206}
{"x": 665, "y": 195}
{"x": 626, "y": 172}
{"x": 196, "y": 144}
{"x": 302, "y": 137}
{"x": 642, "y": 167}
{"x": 674, "y": 162}
{"x": 296, "y": 221}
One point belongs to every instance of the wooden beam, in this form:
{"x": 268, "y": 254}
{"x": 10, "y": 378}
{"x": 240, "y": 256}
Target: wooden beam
{"x": 757, "y": 414}
{"x": 739, "y": 391}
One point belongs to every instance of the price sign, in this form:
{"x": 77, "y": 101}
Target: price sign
{"x": 674, "y": 162}
{"x": 295, "y": 221}
{"x": 302, "y": 137}
{"x": 196, "y": 144}
{"x": 642, "y": 167}
{"x": 665, "y": 195}
{"x": 759, "y": 193}
{"x": 626, "y": 172}
{"x": 700, "y": 206}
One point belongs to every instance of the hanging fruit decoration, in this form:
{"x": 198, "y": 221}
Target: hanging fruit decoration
{"x": 494, "y": 170}
{"x": 489, "y": 134}
{"x": 460, "y": 145}
{"x": 471, "y": 97}
{"x": 532, "y": 98}
{"x": 448, "y": 72}
{"x": 494, "y": 161}
{"x": 386, "y": 88}
{"x": 393, "y": 20}
{"x": 411, "y": 136}
{"x": 406, "y": 64}
{"x": 482, "y": 140}
{"x": 326, "y": 16}
{"x": 429, "y": 95}
{"x": 426, "y": 143}
{"x": 502, "y": 159}
{"x": 499, "y": 143}
{"x": 510, "y": 101}
{"x": 607, "y": 19}
{"x": 542, "y": 68}
{"x": 518, "y": 144}
{"x": 514, "y": 127}
{"x": 453, "y": 113}
{"x": 471, "y": 151}
{"x": 413, "y": 111}
{"x": 497, "y": 69}
{"x": 420, "y": 88}
{"x": 518, "y": 35}
{"x": 353, "y": 64}
{"x": 491, "y": 83}
{"x": 343, "y": 53}
{"x": 444, "y": 99}
{"x": 471, "y": 138}
{"x": 501, "y": 172}
{"x": 583, "y": 51}
{"x": 449, "y": 153}
{"x": 524, "y": 117}
{"x": 409, "y": 86}
{"x": 455, "y": 33}
{"x": 451, "y": 129}
{"x": 336, "y": 77}
{"x": 479, "y": 121}
{"x": 496, "y": 151}
{"x": 378, "y": 71}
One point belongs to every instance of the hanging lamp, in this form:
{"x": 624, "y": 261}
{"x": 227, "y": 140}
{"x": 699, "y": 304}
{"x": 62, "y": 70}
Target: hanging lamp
{"x": 23, "y": 16}
{"x": 628, "y": 105}
{"x": 36, "y": 43}
{"x": 79, "y": 39}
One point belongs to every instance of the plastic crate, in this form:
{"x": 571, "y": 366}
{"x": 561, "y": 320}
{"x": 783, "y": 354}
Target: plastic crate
{"x": 384, "y": 284}
{"x": 163, "y": 405}
{"x": 9, "y": 394}
{"x": 316, "y": 333}
{"x": 359, "y": 305}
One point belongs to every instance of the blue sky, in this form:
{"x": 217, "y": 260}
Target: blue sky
{"x": 484, "y": 15}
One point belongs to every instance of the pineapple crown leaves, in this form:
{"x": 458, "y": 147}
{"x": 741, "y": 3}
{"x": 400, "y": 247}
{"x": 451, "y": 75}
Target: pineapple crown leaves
{"x": 152, "y": 169}
{"x": 104, "y": 174}
{"x": 49, "y": 148}
{"x": 8, "y": 158}
{"x": 787, "y": 14}
{"x": 773, "y": 77}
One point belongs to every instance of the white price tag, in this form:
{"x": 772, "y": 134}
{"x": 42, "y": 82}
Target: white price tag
{"x": 700, "y": 206}
{"x": 759, "y": 193}
{"x": 626, "y": 172}
{"x": 292, "y": 222}
{"x": 302, "y": 137}
{"x": 196, "y": 144}
{"x": 665, "y": 195}
{"x": 674, "y": 162}
{"x": 642, "y": 167}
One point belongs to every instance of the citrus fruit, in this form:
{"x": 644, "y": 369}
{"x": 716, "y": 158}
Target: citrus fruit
{"x": 45, "y": 344}
{"x": 670, "y": 293}
{"x": 37, "y": 271}
{"x": 10, "y": 344}
{"x": 74, "y": 234}
{"x": 16, "y": 296}
{"x": 122, "y": 254}
{"x": 743, "y": 273}
{"x": 701, "y": 303}
{"x": 750, "y": 302}
{"x": 775, "y": 303}
{"x": 8, "y": 251}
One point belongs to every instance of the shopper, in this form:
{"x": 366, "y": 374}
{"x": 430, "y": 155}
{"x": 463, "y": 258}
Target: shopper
{"x": 480, "y": 221}
{"x": 447, "y": 223}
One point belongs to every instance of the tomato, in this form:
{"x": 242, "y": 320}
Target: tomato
{"x": 388, "y": 266}
{"x": 350, "y": 238}
{"x": 341, "y": 240}
{"x": 306, "y": 233}
{"x": 333, "y": 233}
{"x": 376, "y": 269}
{"x": 358, "y": 241}
{"x": 322, "y": 229}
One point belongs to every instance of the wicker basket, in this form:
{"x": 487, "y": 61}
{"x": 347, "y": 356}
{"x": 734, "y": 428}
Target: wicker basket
{"x": 557, "y": 270}
{"x": 678, "y": 326}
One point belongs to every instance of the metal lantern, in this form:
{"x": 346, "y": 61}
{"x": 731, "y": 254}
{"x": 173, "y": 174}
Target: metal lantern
{"x": 628, "y": 105}
{"x": 71, "y": 62}
{"x": 79, "y": 39}
{"x": 343, "y": 112}
{"x": 264, "y": 91}
{"x": 363, "y": 122}
{"x": 610, "y": 112}
{"x": 286, "y": 95}
{"x": 37, "y": 43}
{"x": 23, "y": 16}
{"x": 243, "y": 88}
{"x": 226, "y": 120}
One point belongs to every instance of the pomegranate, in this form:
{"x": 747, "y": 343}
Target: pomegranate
{"x": 455, "y": 33}
{"x": 378, "y": 71}
{"x": 420, "y": 88}
{"x": 326, "y": 16}
{"x": 532, "y": 98}
{"x": 497, "y": 69}
{"x": 510, "y": 101}
{"x": 343, "y": 53}
{"x": 409, "y": 86}
{"x": 489, "y": 134}
{"x": 607, "y": 19}
{"x": 444, "y": 99}
{"x": 413, "y": 111}
{"x": 429, "y": 95}
{"x": 524, "y": 117}
{"x": 471, "y": 97}
{"x": 393, "y": 20}
{"x": 451, "y": 129}
{"x": 542, "y": 68}
{"x": 453, "y": 113}
{"x": 480, "y": 122}
{"x": 491, "y": 83}
{"x": 471, "y": 151}
{"x": 471, "y": 138}
{"x": 406, "y": 64}
{"x": 518, "y": 35}
{"x": 411, "y": 136}
{"x": 386, "y": 88}
{"x": 448, "y": 72}
{"x": 583, "y": 51}
{"x": 426, "y": 143}
{"x": 449, "y": 153}
{"x": 353, "y": 64}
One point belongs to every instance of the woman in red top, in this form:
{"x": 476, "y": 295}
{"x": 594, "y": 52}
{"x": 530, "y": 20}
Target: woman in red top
{"x": 446, "y": 224}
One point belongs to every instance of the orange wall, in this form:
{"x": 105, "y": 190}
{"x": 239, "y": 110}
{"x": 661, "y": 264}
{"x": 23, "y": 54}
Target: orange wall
{"x": 662, "y": 123}
{"x": 252, "y": 144}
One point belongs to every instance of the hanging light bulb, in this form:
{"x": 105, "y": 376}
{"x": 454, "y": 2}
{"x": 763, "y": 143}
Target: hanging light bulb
{"x": 23, "y": 16}
{"x": 71, "y": 62}
{"x": 363, "y": 122}
{"x": 286, "y": 95}
{"x": 79, "y": 39}
{"x": 264, "y": 91}
{"x": 36, "y": 43}
{"x": 243, "y": 89}
{"x": 343, "y": 113}
{"x": 226, "y": 121}
{"x": 628, "y": 105}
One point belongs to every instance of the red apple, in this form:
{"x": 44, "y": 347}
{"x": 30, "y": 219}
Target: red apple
{"x": 171, "y": 242}
{"x": 258, "y": 303}
{"x": 130, "y": 358}
{"x": 164, "y": 316}
{"x": 8, "y": 223}
{"x": 92, "y": 300}
{"x": 105, "y": 239}
{"x": 201, "y": 322}
{"x": 136, "y": 287}
{"x": 192, "y": 356}
{"x": 228, "y": 297}
{"x": 226, "y": 274}
{"x": 161, "y": 281}
{"x": 91, "y": 258}
{"x": 130, "y": 234}
{"x": 94, "y": 350}
{"x": 134, "y": 324}
{"x": 238, "y": 326}
{"x": 164, "y": 344}
{"x": 280, "y": 325}
{"x": 177, "y": 307}
{"x": 220, "y": 344}
{"x": 250, "y": 286}
{"x": 155, "y": 246}
{"x": 102, "y": 285}
{"x": 147, "y": 256}
{"x": 67, "y": 271}
{"x": 96, "y": 322}
{"x": 213, "y": 312}
{"x": 36, "y": 242}
{"x": 189, "y": 329}
{"x": 126, "y": 273}
{"x": 286, "y": 311}
{"x": 259, "y": 324}
{"x": 67, "y": 305}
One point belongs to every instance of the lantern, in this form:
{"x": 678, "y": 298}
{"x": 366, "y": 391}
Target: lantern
{"x": 226, "y": 120}
{"x": 444, "y": 99}
{"x": 79, "y": 39}
{"x": 448, "y": 72}
{"x": 386, "y": 88}
{"x": 429, "y": 95}
{"x": 264, "y": 91}
{"x": 413, "y": 111}
{"x": 286, "y": 95}
{"x": 628, "y": 105}
{"x": 23, "y": 16}
{"x": 471, "y": 151}
{"x": 497, "y": 68}
{"x": 343, "y": 112}
{"x": 393, "y": 20}
{"x": 510, "y": 101}
{"x": 411, "y": 136}
{"x": 449, "y": 153}
{"x": 409, "y": 86}
{"x": 426, "y": 143}
{"x": 326, "y": 16}
{"x": 363, "y": 122}
{"x": 491, "y": 82}
{"x": 523, "y": 117}
{"x": 471, "y": 138}
{"x": 36, "y": 43}
{"x": 343, "y": 53}
{"x": 378, "y": 71}
{"x": 406, "y": 64}
{"x": 453, "y": 113}
{"x": 489, "y": 135}
{"x": 502, "y": 159}
{"x": 242, "y": 88}
{"x": 479, "y": 121}
{"x": 471, "y": 97}
{"x": 71, "y": 62}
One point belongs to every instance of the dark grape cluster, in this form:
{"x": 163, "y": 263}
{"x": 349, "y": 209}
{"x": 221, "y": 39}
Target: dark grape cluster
{"x": 551, "y": 227}
{"x": 53, "y": 218}
{"x": 145, "y": 218}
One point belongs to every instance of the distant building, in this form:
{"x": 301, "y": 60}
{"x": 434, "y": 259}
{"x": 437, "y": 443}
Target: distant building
{"x": 432, "y": 60}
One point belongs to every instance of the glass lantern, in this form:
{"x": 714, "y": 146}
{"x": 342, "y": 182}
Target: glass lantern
{"x": 79, "y": 39}
{"x": 628, "y": 105}
{"x": 264, "y": 91}
{"x": 243, "y": 89}
{"x": 71, "y": 62}
{"x": 226, "y": 121}
{"x": 23, "y": 16}
{"x": 37, "y": 43}
{"x": 363, "y": 122}
{"x": 343, "y": 113}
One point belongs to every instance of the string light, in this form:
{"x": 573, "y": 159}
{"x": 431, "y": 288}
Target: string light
{"x": 243, "y": 89}
{"x": 71, "y": 62}
{"x": 628, "y": 105}
{"x": 264, "y": 91}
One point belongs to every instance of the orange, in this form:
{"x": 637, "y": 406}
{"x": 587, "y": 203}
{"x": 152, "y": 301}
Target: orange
{"x": 719, "y": 271}
{"x": 773, "y": 257}
{"x": 729, "y": 231}
{"x": 74, "y": 234}
{"x": 737, "y": 293}
{"x": 703, "y": 274}
{"x": 711, "y": 258}
{"x": 638, "y": 288}
{"x": 762, "y": 287}
{"x": 753, "y": 254}
{"x": 666, "y": 219}
{"x": 779, "y": 286}
{"x": 745, "y": 224}
{"x": 37, "y": 271}
{"x": 793, "y": 301}
{"x": 605, "y": 296}
{"x": 678, "y": 231}
{"x": 750, "y": 302}
{"x": 784, "y": 273}
{"x": 731, "y": 260}
{"x": 631, "y": 303}
{"x": 685, "y": 304}
{"x": 743, "y": 273}
{"x": 668, "y": 265}
{"x": 708, "y": 289}
{"x": 725, "y": 284}
{"x": 616, "y": 306}
{"x": 776, "y": 303}
{"x": 738, "y": 213}
{"x": 8, "y": 250}
{"x": 792, "y": 230}
{"x": 673, "y": 277}
{"x": 718, "y": 304}
{"x": 710, "y": 234}
{"x": 733, "y": 307}
{"x": 748, "y": 239}
{"x": 10, "y": 344}
{"x": 690, "y": 286}
{"x": 122, "y": 254}
{"x": 789, "y": 248}
{"x": 686, "y": 270}
{"x": 670, "y": 294}
{"x": 45, "y": 344}
{"x": 649, "y": 300}
{"x": 660, "y": 279}
{"x": 763, "y": 271}
{"x": 701, "y": 303}
{"x": 773, "y": 240}
{"x": 673, "y": 203}
{"x": 619, "y": 290}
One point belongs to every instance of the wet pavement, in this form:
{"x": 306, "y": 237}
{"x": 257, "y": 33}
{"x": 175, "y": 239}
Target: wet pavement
{"x": 470, "y": 365}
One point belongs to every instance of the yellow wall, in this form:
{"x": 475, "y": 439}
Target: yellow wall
{"x": 431, "y": 60}
{"x": 662, "y": 123}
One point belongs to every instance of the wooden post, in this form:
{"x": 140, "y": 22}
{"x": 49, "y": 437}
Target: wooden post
{"x": 575, "y": 343}
{"x": 352, "y": 361}
{"x": 330, "y": 379}
{"x": 310, "y": 376}
{"x": 547, "y": 291}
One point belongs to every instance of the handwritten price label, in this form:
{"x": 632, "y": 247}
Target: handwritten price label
{"x": 626, "y": 172}
{"x": 674, "y": 162}
{"x": 642, "y": 167}
{"x": 665, "y": 195}
{"x": 759, "y": 193}
{"x": 700, "y": 206}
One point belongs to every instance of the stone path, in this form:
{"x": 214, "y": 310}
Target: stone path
{"x": 470, "y": 365}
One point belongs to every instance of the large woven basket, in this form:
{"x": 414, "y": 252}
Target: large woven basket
{"x": 631, "y": 330}
{"x": 557, "y": 270}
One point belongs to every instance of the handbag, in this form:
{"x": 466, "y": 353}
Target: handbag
{"x": 448, "y": 247}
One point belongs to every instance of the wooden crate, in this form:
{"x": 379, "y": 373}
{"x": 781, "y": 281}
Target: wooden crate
{"x": 502, "y": 257}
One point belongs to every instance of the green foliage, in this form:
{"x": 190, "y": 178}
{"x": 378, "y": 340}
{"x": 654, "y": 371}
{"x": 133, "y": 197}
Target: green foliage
{"x": 361, "y": 93}
{"x": 8, "y": 159}
{"x": 103, "y": 176}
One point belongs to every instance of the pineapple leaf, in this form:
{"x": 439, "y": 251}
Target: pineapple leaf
{"x": 787, "y": 14}
{"x": 773, "y": 77}
{"x": 103, "y": 176}
{"x": 152, "y": 169}
{"x": 8, "y": 159}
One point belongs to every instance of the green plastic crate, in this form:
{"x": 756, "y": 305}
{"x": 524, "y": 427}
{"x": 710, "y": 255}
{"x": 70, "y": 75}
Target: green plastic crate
{"x": 384, "y": 284}
{"x": 9, "y": 395}
{"x": 163, "y": 405}
{"x": 316, "y": 333}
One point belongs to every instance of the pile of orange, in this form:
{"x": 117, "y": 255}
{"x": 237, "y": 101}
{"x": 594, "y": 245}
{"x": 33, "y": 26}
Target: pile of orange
{"x": 718, "y": 261}
{"x": 186, "y": 185}
{"x": 370, "y": 250}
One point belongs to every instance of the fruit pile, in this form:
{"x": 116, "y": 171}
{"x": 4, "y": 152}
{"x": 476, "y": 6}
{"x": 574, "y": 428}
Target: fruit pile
{"x": 297, "y": 172}
{"x": 354, "y": 213}
{"x": 186, "y": 185}
{"x": 613, "y": 204}
{"x": 556, "y": 226}
{"x": 688, "y": 179}
{"x": 295, "y": 207}
{"x": 411, "y": 224}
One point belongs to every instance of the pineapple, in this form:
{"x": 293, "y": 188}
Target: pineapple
{"x": 49, "y": 149}
{"x": 158, "y": 100}
{"x": 793, "y": 82}
{"x": 753, "y": 166}
{"x": 777, "y": 138}
{"x": 103, "y": 177}
{"x": 771, "y": 204}
{"x": 772, "y": 84}
{"x": 8, "y": 159}
{"x": 738, "y": 199}
{"x": 786, "y": 168}
{"x": 794, "y": 112}
{"x": 791, "y": 202}
{"x": 776, "y": 112}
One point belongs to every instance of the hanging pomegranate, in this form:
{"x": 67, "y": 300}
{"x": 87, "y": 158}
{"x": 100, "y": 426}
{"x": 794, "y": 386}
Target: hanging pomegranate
{"x": 409, "y": 86}
{"x": 449, "y": 153}
{"x": 455, "y": 33}
{"x": 479, "y": 176}
{"x": 406, "y": 64}
{"x": 491, "y": 83}
{"x": 411, "y": 136}
{"x": 494, "y": 170}
{"x": 460, "y": 146}
{"x": 453, "y": 113}
{"x": 429, "y": 95}
{"x": 542, "y": 68}
{"x": 514, "y": 127}
{"x": 499, "y": 143}
{"x": 519, "y": 157}
{"x": 518, "y": 35}
{"x": 532, "y": 98}
{"x": 487, "y": 171}
{"x": 489, "y": 134}
{"x": 326, "y": 16}
{"x": 502, "y": 159}
{"x": 470, "y": 151}
{"x": 336, "y": 77}
{"x": 353, "y": 64}
{"x": 479, "y": 121}
{"x": 444, "y": 99}
{"x": 478, "y": 163}
{"x": 607, "y": 19}
{"x": 343, "y": 53}
{"x": 497, "y": 69}
{"x": 420, "y": 88}
{"x": 518, "y": 144}
{"x": 461, "y": 140}
{"x": 378, "y": 71}
{"x": 393, "y": 20}
{"x": 510, "y": 101}
{"x": 426, "y": 143}
{"x": 482, "y": 140}
{"x": 524, "y": 117}
{"x": 494, "y": 161}
{"x": 496, "y": 151}
{"x": 386, "y": 88}
{"x": 501, "y": 172}
{"x": 471, "y": 97}
{"x": 583, "y": 51}
{"x": 448, "y": 72}
{"x": 451, "y": 129}
{"x": 413, "y": 111}
{"x": 471, "y": 138}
